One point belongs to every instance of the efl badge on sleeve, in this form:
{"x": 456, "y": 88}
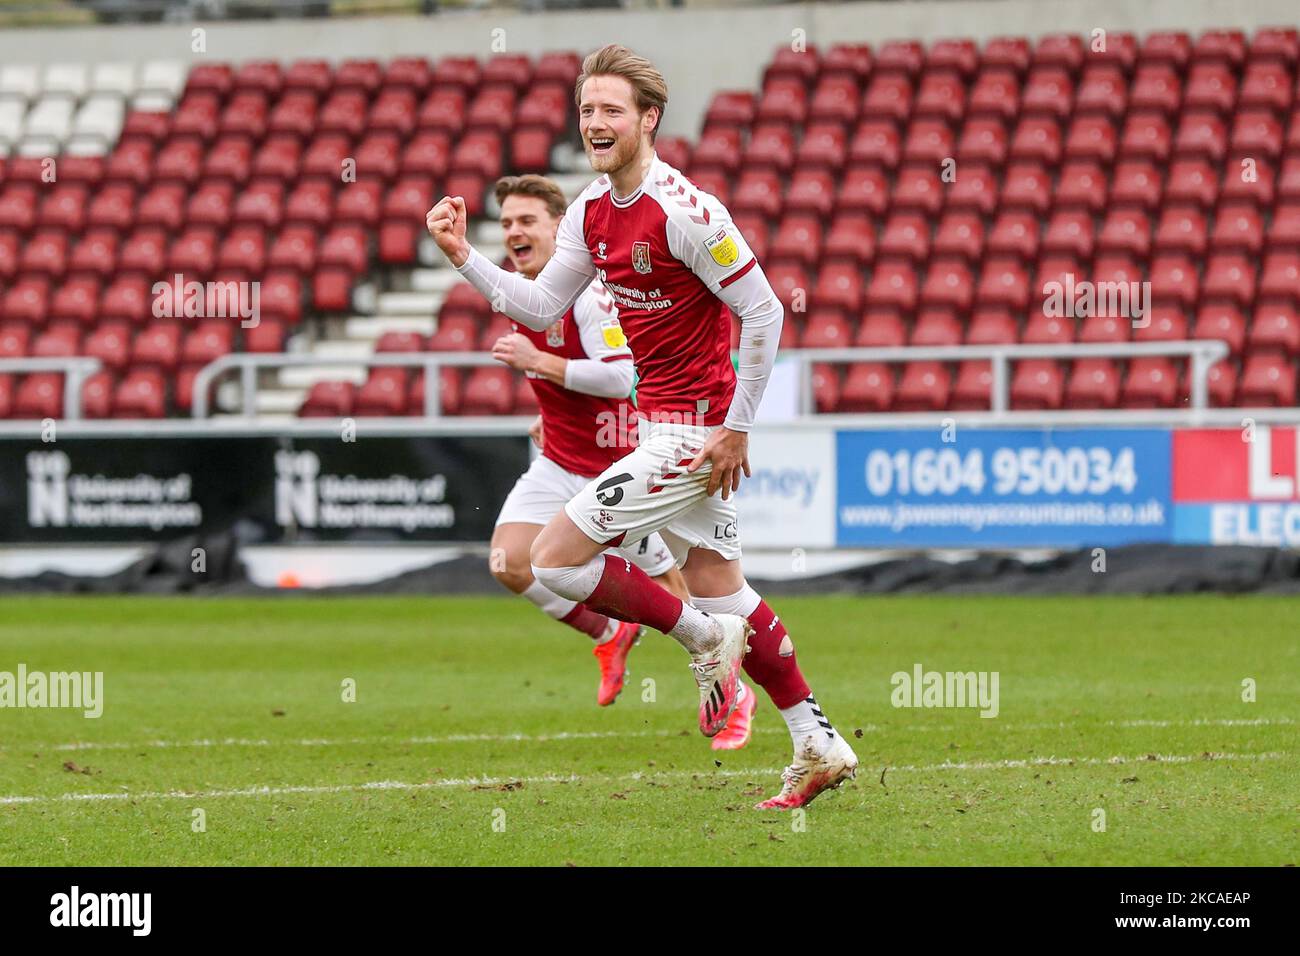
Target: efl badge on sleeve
{"x": 612, "y": 332}
{"x": 723, "y": 248}
{"x": 641, "y": 257}
{"x": 555, "y": 334}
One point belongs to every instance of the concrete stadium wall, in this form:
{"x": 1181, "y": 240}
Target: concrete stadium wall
{"x": 699, "y": 50}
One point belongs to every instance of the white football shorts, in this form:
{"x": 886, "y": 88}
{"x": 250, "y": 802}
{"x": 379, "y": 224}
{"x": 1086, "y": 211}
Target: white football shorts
{"x": 544, "y": 489}
{"x": 650, "y": 490}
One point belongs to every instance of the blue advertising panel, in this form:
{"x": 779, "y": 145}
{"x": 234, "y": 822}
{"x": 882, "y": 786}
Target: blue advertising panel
{"x": 992, "y": 488}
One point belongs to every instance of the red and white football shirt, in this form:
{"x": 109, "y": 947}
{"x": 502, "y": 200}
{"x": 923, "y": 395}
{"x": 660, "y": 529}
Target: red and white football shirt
{"x": 664, "y": 253}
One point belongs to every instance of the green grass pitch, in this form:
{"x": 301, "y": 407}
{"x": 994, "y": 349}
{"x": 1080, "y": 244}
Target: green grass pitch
{"x": 474, "y": 737}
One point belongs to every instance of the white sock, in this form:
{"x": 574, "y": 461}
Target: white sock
{"x": 805, "y": 719}
{"x": 610, "y": 630}
{"x": 695, "y": 630}
{"x": 548, "y": 601}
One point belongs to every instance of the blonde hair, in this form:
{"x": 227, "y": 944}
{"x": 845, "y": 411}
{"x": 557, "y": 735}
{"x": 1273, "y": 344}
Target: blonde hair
{"x": 648, "y": 85}
{"x": 536, "y": 186}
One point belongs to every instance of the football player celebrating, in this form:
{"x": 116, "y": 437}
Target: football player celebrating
{"x": 581, "y": 370}
{"x": 667, "y": 252}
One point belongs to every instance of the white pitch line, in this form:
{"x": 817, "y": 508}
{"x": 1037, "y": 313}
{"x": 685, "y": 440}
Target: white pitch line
{"x": 266, "y": 791}
{"x": 612, "y": 734}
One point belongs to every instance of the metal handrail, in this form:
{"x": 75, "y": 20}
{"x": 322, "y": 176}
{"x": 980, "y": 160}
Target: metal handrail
{"x": 249, "y": 363}
{"x": 76, "y": 370}
{"x": 1204, "y": 354}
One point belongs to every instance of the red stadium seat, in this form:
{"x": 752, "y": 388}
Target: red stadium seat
{"x": 826, "y": 330}
{"x": 1103, "y": 89}
{"x": 919, "y": 188}
{"x": 868, "y": 387}
{"x": 862, "y": 190}
{"x": 294, "y": 114}
{"x": 907, "y": 235}
{"x": 1164, "y": 323}
{"x": 158, "y": 346}
{"x": 1094, "y": 383}
{"x": 281, "y": 297}
{"x": 1230, "y": 276}
{"x": 1221, "y": 321}
{"x": 1091, "y": 137}
{"x": 1275, "y": 329}
{"x": 259, "y": 205}
{"x": 983, "y": 140}
{"x": 1238, "y": 228}
{"x": 1044, "y": 329}
{"x": 231, "y": 159}
{"x": 384, "y": 394}
{"x": 1064, "y": 51}
{"x": 893, "y": 285}
{"x": 1037, "y": 384}
{"x": 959, "y": 233}
{"x": 210, "y": 205}
{"x": 835, "y": 98}
{"x": 1136, "y": 182}
{"x": 798, "y": 237}
{"x": 294, "y": 249}
{"x": 826, "y": 387}
{"x": 456, "y": 333}
{"x": 245, "y": 115}
{"x": 1048, "y": 90}
{"x": 1014, "y": 233}
{"x": 1174, "y": 279}
{"x": 941, "y": 94}
{"x": 210, "y": 341}
{"x": 329, "y": 400}
{"x": 973, "y": 388}
{"x": 936, "y": 328}
{"x": 996, "y": 93}
{"x": 280, "y": 157}
{"x": 770, "y": 145}
{"x": 811, "y": 190}
{"x": 1152, "y": 382}
{"x": 991, "y": 327}
{"x": 888, "y": 97}
{"x": 75, "y": 300}
{"x": 1267, "y": 380}
{"x": 97, "y": 395}
{"x": 488, "y": 391}
{"x": 1210, "y": 86}
{"x": 113, "y": 207}
{"x": 880, "y": 329}
{"x": 1126, "y": 231}
{"x": 875, "y": 143}
{"x": 1069, "y": 231}
{"x": 1003, "y": 282}
{"x": 181, "y": 161}
{"x": 851, "y": 237}
{"x": 39, "y": 395}
{"x": 310, "y": 204}
{"x": 976, "y": 190}
{"x": 1146, "y": 136}
{"x": 922, "y": 387}
{"x": 95, "y": 254}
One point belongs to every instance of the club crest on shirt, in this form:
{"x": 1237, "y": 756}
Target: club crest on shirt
{"x": 722, "y": 247}
{"x": 641, "y": 257}
{"x": 555, "y": 334}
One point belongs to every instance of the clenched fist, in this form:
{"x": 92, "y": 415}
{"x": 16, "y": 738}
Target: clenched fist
{"x": 446, "y": 223}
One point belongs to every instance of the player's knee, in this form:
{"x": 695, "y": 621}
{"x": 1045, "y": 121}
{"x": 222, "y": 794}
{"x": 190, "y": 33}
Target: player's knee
{"x": 511, "y": 570}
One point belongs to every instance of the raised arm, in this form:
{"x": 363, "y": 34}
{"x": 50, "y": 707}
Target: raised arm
{"x": 535, "y": 303}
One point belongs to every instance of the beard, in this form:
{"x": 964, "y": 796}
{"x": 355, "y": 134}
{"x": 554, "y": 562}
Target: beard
{"x": 623, "y": 152}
